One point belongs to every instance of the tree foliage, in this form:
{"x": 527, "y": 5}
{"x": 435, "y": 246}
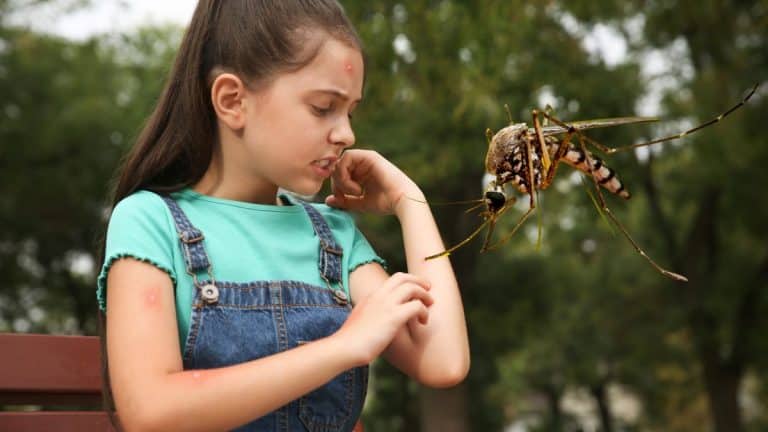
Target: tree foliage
{"x": 580, "y": 316}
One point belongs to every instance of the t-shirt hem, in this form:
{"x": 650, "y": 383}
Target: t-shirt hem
{"x": 376, "y": 259}
{"x": 101, "y": 286}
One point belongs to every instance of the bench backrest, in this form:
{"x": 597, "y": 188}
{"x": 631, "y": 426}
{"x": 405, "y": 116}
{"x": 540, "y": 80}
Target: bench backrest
{"x": 56, "y": 372}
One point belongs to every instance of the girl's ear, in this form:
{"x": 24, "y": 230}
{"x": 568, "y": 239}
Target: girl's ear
{"x": 228, "y": 98}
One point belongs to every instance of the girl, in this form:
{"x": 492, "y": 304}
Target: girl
{"x": 231, "y": 306}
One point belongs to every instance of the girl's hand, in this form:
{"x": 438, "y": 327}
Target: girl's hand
{"x": 376, "y": 320}
{"x": 365, "y": 181}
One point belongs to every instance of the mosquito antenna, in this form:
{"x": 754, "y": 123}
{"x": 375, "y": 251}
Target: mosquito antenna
{"x": 509, "y": 114}
{"x": 447, "y": 203}
{"x": 540, "y": 223}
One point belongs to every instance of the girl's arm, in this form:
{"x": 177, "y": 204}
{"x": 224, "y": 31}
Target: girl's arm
{"x": 152, "y": 392}
{"x": 436, "y": 354}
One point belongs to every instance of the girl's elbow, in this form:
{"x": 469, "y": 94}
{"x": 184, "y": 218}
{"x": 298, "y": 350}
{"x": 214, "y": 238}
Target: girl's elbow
{"x": 447, "y": 376}
{"x": 142, "y": 418}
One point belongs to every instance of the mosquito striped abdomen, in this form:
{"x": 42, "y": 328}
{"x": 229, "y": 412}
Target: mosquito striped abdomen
{"x": 604, "y": 175}
{"x": 508, "y": 160}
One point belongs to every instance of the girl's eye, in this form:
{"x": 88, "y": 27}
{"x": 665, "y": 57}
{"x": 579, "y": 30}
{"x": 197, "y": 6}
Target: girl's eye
{"x": 322, "y": 111}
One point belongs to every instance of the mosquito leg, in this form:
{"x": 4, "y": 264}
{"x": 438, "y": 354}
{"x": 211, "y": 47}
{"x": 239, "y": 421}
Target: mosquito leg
{"x": 606, "y": 210}
{"x": 571, "y": 129}
{"x": 463, "y": 242}
{"x": 545, "y": 161}
{"x": 689, "y": 131}
{"x": 488, "y": 234}
{"x": 609, "y": 150}
{"x": 562, "y": 148}
{"x": 549, "y": 110}
{"x": 531, "y": 174}
{"x": 512, "y": 233}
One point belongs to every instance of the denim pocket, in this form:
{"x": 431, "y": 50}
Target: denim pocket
{"x": 329, "y": 408}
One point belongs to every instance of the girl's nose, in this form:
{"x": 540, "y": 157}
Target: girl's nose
{"x": 342, "y": 134}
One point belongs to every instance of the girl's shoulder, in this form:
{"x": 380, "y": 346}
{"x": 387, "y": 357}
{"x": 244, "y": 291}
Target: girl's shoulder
{"x": 141, "y": 207}
{"x": 141, "y": 200}
{"x": 336, "y": 218}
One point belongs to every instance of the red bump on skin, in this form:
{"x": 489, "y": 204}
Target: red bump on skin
{"x": 152, "y": 298}
{"x": 348, "y": 67}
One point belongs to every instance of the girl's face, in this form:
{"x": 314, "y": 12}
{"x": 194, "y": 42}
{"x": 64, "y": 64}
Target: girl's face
{"x": 297, "y": 127}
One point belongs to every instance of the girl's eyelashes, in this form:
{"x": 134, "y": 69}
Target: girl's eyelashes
{"x": 322, "y": 111}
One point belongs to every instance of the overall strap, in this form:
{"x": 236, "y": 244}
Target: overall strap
{"x": 195, "y": 257}
{"x": 330, "y": 251}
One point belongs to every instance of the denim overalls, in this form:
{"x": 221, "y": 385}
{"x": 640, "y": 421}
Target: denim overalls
{"x": 237, "y": 322}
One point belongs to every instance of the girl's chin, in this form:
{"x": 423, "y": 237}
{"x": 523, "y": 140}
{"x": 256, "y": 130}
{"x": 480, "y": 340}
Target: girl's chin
{"x": 306, "y": 189}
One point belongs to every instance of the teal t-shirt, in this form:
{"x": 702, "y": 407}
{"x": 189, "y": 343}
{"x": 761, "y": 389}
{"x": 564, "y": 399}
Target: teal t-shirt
{"x": 245, "y": 242}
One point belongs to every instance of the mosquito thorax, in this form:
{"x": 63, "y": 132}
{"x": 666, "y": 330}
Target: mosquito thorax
{"x": 501, "y": 146}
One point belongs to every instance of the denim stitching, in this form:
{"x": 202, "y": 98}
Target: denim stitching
{"x": 285, "y": 306}
{"x": 329, "y": 264}
{"x": 195, "y": 257}
{"x": 313, "y": 425}
{"x": 189, "y": 347}
{"x": 277, "y": 294}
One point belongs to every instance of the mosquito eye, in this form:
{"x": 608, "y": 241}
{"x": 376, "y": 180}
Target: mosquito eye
{"x": 497, "y": 199}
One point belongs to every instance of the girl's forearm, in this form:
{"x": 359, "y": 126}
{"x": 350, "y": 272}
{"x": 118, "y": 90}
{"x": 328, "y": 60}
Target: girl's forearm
{"x": 442, "y": 344}
{"x": 224, "y": 398}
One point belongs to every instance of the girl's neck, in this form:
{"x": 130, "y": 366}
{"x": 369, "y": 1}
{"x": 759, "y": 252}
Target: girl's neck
{"x": 232, "y": 185}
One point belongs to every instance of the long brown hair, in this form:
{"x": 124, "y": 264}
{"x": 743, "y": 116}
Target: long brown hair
{"x": 254, "y": 39}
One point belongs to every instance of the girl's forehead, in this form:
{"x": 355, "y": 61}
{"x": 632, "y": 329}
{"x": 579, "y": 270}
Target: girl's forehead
{"x": 336, "y": 64}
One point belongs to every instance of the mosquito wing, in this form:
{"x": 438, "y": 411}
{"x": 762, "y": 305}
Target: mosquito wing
{"x": 595, "y": 123}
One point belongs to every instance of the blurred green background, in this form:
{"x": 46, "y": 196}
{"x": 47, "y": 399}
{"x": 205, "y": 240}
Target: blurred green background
{"x": 580, "y": 334}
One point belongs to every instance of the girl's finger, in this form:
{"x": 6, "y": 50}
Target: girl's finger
{"x": 342, "y": 181}
{"x": 402, "y": 277}
{"x": 409, "y": 292}
{"x": 347, "y": 202}
{"x": 414, "y": 309}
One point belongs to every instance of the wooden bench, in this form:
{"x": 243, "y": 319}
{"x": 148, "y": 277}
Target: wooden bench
{"x": 58, "y": 376}
{"x": 57, "y": 373}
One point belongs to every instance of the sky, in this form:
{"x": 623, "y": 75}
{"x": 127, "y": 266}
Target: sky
{"x": 105, "y": 16}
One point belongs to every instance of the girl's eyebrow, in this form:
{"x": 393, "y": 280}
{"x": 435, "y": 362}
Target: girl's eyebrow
{"x": 338, "y": 93}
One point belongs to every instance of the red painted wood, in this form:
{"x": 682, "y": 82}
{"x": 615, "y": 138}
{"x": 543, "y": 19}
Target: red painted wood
{"x": 53, "y": 370}
{"x": 70, "y": 421}
{"x": 49, "y": 364}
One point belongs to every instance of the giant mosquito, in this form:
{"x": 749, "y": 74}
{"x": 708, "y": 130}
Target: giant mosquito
{"x": 527, "y": 158}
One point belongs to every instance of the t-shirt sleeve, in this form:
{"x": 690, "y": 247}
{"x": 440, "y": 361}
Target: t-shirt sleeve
{"x": 139, "y": 228}
{"x": 362, "y": 252}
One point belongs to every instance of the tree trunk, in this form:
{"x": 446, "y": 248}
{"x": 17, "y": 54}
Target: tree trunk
{"x": 723, "y": 383}
{"x": 722, "y": 370}
{"x": 444, "y": 410}
{"x": 603, "y": 405}
{"x": 555, "y": 423}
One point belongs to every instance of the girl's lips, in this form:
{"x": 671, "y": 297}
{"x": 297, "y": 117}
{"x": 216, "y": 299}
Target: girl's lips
{"x": 328, "y": 160}
{"x": 323, "y": 168}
